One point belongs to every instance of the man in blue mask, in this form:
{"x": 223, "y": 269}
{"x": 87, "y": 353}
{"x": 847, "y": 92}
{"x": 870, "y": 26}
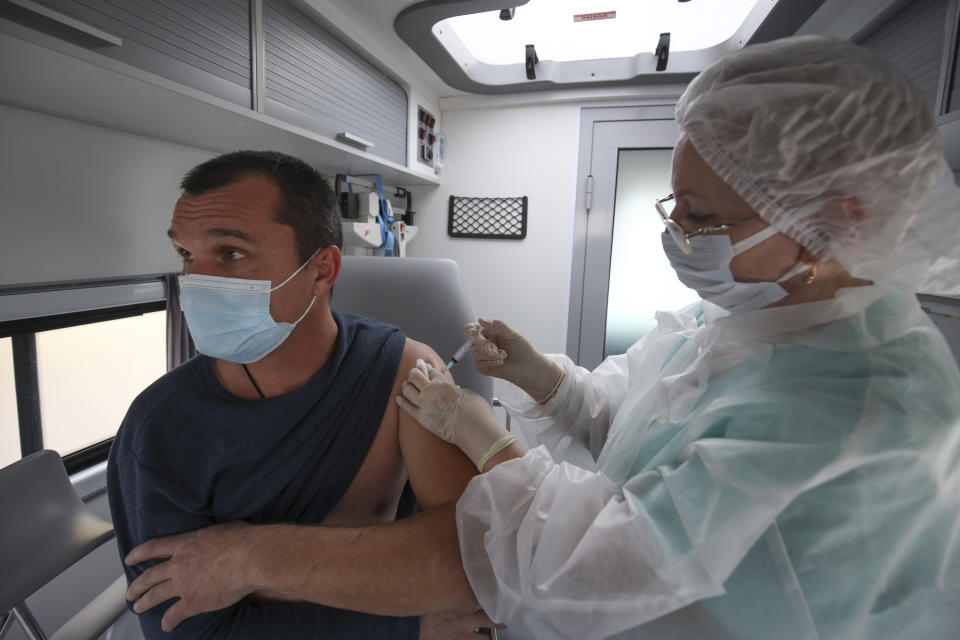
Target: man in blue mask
{"x": 286, "y": 415}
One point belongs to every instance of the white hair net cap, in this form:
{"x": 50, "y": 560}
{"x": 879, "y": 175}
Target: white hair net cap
{"x": 836, "y": 148}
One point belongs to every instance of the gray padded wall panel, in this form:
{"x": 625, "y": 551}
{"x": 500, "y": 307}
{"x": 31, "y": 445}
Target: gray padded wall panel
{"x": 425, "y": 297}
{"x": 953, "y": 98}
{"x": 913, "y": 40}
{"x": 107, "y": 194}
{"x": 205, "y": 45}
{"x": 316, "y": 82}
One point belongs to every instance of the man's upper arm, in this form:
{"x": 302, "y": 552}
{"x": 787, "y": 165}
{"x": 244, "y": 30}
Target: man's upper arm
{"x": 438, "y": 470}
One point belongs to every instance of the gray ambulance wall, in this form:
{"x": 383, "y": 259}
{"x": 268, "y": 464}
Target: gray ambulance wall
{"x": 79, "y": 201}
{"x": 506, "y": 151}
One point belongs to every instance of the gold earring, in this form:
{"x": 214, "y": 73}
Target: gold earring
{"x": 812, "y": 275}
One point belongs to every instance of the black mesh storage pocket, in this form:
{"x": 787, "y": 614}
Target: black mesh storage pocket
{"x": 494, "y": 218}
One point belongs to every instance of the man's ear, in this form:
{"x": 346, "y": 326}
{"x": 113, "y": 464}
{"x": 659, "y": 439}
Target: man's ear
{"x": 326, "y": 266}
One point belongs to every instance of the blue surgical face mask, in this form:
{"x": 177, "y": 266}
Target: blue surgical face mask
{"x": 706, "y": 270}
{"x": 229, "y": 318}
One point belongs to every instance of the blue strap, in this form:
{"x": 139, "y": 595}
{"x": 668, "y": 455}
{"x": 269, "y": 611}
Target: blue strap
{"x": 385, "y": 219}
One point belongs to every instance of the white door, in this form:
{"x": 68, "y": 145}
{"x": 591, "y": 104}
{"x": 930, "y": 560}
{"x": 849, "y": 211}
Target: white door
{"x": 620, "y": 274}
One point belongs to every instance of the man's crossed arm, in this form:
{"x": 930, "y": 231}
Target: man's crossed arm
{"x": 403, "y": 568}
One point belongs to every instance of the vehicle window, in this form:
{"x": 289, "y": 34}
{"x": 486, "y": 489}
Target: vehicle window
{"x": 89, "y": 374}
{"x": 9, "y": 427}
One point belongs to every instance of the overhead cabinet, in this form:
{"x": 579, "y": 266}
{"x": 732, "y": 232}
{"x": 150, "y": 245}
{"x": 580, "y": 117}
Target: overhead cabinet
{"x": 265, "y": 56}
{"x": 921, "y": 37}
{"x": 315, "y": 81}
{"x": 204, "y": 45}
{"x": 914, "y": 41}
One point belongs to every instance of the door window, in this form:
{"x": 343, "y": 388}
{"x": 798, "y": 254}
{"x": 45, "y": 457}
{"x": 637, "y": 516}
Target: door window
{"x": 641, "y": 280}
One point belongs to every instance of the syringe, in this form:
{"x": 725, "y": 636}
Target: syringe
{"x": 459, "y": 353}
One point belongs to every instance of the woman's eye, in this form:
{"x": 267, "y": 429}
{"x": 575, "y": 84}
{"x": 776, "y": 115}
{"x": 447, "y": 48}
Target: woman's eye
{"x": 186, "y": 255}
{"x": 234, "y": 254}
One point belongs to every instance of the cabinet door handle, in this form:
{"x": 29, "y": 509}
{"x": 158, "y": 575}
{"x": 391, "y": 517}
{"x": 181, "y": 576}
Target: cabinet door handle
{"x": 67, "y": 21}
{"x": 357, "y": 141}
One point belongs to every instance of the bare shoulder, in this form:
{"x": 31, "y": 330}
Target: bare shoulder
{"x": 438, "y": 470}
{"x": 413, "y": 351}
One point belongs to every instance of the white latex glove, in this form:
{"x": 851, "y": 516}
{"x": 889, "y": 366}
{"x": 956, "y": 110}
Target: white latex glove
{"x": 501, "y": 352}
{"x": 456, "y": 415}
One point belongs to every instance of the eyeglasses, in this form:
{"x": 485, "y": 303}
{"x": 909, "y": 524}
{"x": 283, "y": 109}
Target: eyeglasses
{"x": 681, "y": 237}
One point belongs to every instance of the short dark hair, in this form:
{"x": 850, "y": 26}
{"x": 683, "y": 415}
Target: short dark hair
{"x": 307, "y": 202}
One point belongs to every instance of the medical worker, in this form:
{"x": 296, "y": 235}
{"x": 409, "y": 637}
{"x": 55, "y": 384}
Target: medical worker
{"x": 781, "y": 460}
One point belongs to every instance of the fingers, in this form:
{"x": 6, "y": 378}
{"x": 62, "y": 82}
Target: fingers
{"x": 408, "y": 406}
{"x": 480, "y": 620}
{"x": 149, "y": 550}
{"x": 472, "y": 624}
{"x": 423, "y": 373}
{"x": 418, "y": 378}
{"x": 456, "y": 625}
{"x": 495, "y": 352}
{"x": 488, "y": 353}
{"x": 423, "y": 367}
{"x": 486, "y": 349}
{"x": 497, "y": 328}
{"x": 437, "y": 373}
{"x": 146, "y": 581}
{"x": 471, "y": 330}
{"x": 175, "y": 615}
{"x": 158, "y": 594}
{"x": 410, "y": 393}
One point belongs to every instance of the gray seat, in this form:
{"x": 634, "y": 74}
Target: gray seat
{"x": 46, "y": 529}
{"x": 425, "y": 297}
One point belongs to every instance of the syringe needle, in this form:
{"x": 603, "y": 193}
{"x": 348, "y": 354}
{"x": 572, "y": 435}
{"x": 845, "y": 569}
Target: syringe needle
{"x": 459, "y": 353}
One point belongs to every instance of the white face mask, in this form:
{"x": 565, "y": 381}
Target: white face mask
{"x": 706, "y": 270}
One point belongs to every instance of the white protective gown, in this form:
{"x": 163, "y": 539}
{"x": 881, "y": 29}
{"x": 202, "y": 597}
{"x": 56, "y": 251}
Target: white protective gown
{"x": 785, "y": 473}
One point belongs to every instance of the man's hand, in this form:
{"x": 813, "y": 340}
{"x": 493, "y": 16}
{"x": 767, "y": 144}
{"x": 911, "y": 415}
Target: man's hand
{"x": 455, "y": 625}
{"x": 206, "y": 569}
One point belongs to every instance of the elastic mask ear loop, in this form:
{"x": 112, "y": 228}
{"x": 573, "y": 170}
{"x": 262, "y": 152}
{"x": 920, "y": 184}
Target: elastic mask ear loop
{"x": 304, "y": 314}
{"x": 296, "y": 272}
{"x": 751, "y": 241}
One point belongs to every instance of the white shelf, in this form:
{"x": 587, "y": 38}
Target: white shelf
{"x": 45, "y": 74}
